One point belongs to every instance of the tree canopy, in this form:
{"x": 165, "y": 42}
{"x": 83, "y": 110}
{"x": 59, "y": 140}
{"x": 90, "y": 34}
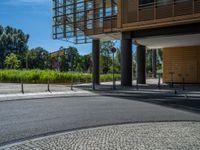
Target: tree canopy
{"x": 12, "y": 40}
{"x": 12, "y": 61}
{"x": 72, "y": 58}
{"x": 37, "y": 58}
{"x": 14, "y": 53}
{"x": 105, "y": 56}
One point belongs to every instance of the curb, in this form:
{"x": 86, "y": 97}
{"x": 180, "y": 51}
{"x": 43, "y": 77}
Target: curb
{"x": 74, "y": 93}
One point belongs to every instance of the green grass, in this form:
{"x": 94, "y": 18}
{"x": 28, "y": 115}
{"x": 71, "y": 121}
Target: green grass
{"x": 43, "y": 76}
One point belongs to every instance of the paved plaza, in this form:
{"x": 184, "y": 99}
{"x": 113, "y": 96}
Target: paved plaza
{"x": 126, "y": 118}
{"x": 141, "y": 136}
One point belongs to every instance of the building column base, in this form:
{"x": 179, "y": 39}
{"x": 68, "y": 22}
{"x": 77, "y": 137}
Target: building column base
{"x": 126, "y": 60}
{"x": 95, "y": 61}
{"x": 141, "y": 67}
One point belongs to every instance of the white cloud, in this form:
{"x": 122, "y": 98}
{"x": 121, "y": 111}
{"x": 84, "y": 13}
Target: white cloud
{"x": 21, "y": 2}
{"x": 35, "y": 1}
{"x": 42, "y": 7}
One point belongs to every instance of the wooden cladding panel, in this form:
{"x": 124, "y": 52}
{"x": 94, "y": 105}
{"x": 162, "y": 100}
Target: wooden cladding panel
{"x": 164, "y": 11}
{"x": 183, "y": 8}
{"x": 159, "y": 11}
{"x": 130, "y": 9}
{"x": 197, "y": 6}
{"x": 110, "y": 23}
{"x": 182, "y": 62}
{"x": 125, "y": 11}
{"x": 146, "y": 14}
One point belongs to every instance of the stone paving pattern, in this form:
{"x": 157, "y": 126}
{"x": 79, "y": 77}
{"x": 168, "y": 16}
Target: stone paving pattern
{"x": 139, "y": 136}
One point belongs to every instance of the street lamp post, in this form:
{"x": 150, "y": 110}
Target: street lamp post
{"x": 113, "y": 50}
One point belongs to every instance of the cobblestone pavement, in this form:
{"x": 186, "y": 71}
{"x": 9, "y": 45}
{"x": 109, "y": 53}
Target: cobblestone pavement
{"x": 141, "y": 136}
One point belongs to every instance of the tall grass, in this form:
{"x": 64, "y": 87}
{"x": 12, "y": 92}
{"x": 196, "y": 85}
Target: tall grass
{"x": 43, "y": 76}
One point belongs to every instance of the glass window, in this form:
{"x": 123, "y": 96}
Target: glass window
{"x": 143, "y": 2}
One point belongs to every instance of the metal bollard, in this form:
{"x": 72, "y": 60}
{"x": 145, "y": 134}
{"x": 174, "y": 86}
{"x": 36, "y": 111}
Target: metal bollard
{"x": 175, "y": 91}
{"x": 172, "y": 80}
{"x": 22, "y": 86}
{"x": 72, "y": 82}
{"x": 172, "y": 84}
{"x": 137, "y": 86}
{"x": 114, "y": 84}
{"x": 48, "y": 86}
{"x": 93, "y": 86}
{"x": 183, "y": 84}
{"x": 159, "y": 82}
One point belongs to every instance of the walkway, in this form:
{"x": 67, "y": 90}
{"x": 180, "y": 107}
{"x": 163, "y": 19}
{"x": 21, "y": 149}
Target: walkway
{"x": 143, "y": 136}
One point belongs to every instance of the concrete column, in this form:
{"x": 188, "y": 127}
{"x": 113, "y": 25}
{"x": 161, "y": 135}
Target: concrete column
{"x": 154, "y": 63}
{"x": 141, "y": 67}
{"x": 95, "y": 60}
{"x": 126, "y": 60}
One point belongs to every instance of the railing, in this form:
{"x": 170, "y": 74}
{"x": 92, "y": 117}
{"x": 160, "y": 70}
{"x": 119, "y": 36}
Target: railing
{"x": 162, "y": 9}
{"x": 170, "y": 8}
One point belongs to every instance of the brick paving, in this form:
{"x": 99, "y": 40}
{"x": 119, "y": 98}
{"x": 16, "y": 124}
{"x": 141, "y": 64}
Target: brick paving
{"x": 139, "y": 136}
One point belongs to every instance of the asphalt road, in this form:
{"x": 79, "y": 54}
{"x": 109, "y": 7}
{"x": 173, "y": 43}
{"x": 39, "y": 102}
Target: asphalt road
{"x": 24, "y": 119}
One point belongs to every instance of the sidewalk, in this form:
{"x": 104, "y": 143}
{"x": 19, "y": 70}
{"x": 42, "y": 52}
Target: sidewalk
{"x": 12, "y": 91}
{"x": 149, "y": 89}
{"x": 75, "y": 92}
{"x": 138, "y": 136}
{"x": 15, "y": 88}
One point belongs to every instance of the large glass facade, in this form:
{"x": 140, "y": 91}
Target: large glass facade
{"x": 77, "y": 20}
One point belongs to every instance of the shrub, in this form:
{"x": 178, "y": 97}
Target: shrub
{"x": 44, "y": 76}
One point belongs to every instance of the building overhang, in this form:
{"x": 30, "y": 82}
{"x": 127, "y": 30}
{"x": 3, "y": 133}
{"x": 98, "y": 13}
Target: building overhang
{"x": 108, "y": 36}
{"x": 175, "y": 36}
{"x": 164, "y": 41}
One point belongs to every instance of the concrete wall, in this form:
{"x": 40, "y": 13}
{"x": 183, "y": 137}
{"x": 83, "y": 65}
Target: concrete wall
{"x": 182, "y": 62}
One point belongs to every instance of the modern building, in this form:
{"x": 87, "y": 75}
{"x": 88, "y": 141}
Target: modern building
{"x": 173, "y": 25}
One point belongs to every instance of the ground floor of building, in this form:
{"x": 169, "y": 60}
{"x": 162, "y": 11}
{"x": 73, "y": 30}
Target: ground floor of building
{"x": 181, "y": 54}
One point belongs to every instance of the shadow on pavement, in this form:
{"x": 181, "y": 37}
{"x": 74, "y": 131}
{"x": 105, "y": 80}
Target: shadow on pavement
{"x": 151, "y": 94}
{"x": 191, "y": 105}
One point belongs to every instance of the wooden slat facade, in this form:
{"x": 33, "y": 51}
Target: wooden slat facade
{"x": 158, "y": 13}
{"x": 85, "y": 18}
{"x": 181, "y": 62}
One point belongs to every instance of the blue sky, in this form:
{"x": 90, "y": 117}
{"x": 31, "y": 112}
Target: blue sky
{"x": 34, "y": 18}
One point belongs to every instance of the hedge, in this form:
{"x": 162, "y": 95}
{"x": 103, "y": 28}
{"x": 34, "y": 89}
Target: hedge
{"x": 44, "y": 76}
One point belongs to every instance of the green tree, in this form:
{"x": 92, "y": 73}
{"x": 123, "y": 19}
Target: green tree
{"x": 12, "y": 41}
{"x": 134, "y": 65}
{"x": 12, "y": 61}
{"x": 79, "y": 68}
{"x": 105, "y": 56}
{"x": 159, "y": 56}
{"x": 117, "y": 61}
{"x": 159, "y": 60}
{"x": 1, "y": 29}
{"x": 72, "y": 58}
{"x": 37, "y": 58}
{"x": 86, "y": 63}
{"x": 63, "y": 63}
{"x": 149, "y": 61}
